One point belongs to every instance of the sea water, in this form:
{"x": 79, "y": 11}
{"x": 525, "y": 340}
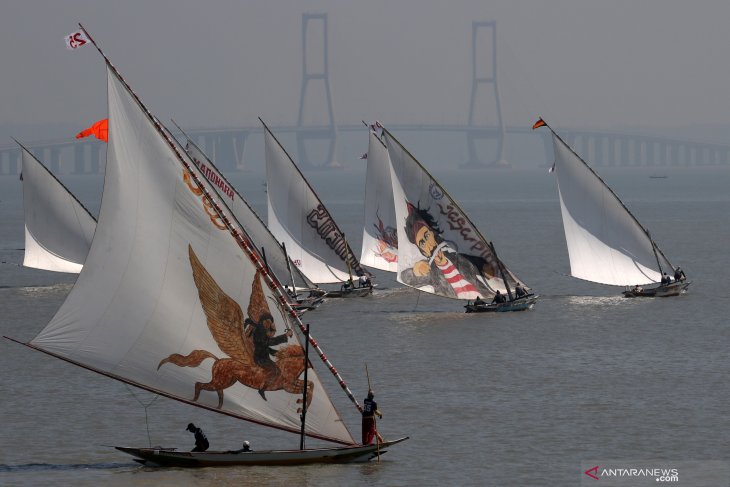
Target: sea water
{"x": 487, "y": 399}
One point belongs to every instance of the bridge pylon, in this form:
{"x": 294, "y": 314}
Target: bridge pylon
{"x": 326, "y": 132}
{"x": 478, "y": 80}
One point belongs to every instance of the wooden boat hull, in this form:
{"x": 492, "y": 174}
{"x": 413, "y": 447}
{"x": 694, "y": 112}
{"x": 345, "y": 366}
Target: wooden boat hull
{"x": 357, "y": 292}
{"x": 519, "y": 304}
{"x": 674, "y": 289}
{"x": 170, "y": 457}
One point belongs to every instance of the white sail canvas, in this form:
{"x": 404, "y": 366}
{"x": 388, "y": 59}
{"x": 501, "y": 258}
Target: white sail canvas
{"x": 255, "y": 228}
{"x": 58, "y": 229}
{"x": 440, "y": 251}
{"x": 297, "y": 217}
{"x": 168, "y": 300}
{"x": 379, "y": 236}
{"x": 606, "y": 244}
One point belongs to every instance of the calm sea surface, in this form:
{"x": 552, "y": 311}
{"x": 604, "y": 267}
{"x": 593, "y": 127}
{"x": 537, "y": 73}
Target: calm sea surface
{"x": 508, "y": 399}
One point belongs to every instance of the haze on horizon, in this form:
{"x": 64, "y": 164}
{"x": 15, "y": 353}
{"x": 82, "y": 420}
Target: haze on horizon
{"x": 653, "y": 64}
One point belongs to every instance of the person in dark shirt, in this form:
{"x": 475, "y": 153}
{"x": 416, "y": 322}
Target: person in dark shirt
{"x": 498, "y": 298}
{"x": 478, "y": 301}
{"x": 201, "y": 442}
{"x": 520, "y": 291}
{"x": 369, "y": 411}
{"x": 679, "y": 274}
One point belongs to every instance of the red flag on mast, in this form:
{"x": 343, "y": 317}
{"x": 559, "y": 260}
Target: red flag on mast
{"x": 540, "y": 123}
{"x": 100, "y": 130}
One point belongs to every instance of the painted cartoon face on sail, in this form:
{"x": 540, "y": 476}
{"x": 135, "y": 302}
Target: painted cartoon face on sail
{"x": 445, "y": 270}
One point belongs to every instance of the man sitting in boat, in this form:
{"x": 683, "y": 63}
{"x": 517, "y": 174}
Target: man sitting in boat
{"x": 449, "y": 272}
{"x": 245, "y": 448}
{"x": 201, "y": 442}
{"x": 638, "y": 289}
{"x": 666, "y": 280}
{"x": 679, "y": 274}
{"x": 478, "y": 301}
{"x": 499, "y": 298}
{"x": 365, "y": 281}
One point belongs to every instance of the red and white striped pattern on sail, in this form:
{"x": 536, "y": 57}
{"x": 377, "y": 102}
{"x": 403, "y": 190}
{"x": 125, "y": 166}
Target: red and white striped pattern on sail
{"x": 606, "y": 244}
{"x": 440, "y": 251}
{"x": 164, "y": 248}
{"x": 58, "y": 229}
{"x": 379, "y": 236}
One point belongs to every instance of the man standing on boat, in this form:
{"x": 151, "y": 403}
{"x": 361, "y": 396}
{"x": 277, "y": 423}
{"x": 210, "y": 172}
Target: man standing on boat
{"x": 201, "y": 442}
{"x": 369, "y": 411}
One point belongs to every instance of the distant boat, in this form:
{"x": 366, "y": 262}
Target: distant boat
{"x": 58, "y": 228}
{"x": 606, "y": 243}
{"x": 299, "y": 219}
{"x": 657, "y": 177}
{"x": 440, "y": 250}
{"x": 379, "y": 237}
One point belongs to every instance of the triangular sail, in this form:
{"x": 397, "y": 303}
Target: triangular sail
{"x": 298, "y": 218}
{"x": 606, "y": 243}
{"x": 262, "y": 238}
{"x": 58, "y": 229}
{"x": 440, "y": 251}
{"x": 172, "y": 299}
{"x": 379, "y": 236}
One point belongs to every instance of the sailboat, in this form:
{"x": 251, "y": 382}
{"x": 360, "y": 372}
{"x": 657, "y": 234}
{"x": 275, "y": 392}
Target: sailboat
{"x": 58, "y": 228}
{"x": 273, "y": 252}
{"x": 174, "y": 299}
{"x": 379, "y": 236}
{"x": 297, "y": 217}
{"x": 606, "y": 243}
{"x": 440, "y": 250}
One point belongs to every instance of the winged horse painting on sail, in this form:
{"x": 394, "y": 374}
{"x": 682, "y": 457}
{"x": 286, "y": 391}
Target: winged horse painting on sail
{"x": 248, "y": 342}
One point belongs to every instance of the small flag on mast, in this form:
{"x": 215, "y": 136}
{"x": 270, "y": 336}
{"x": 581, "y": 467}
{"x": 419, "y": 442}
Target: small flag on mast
{"x": 540, "y": 123}
{"x": 76, "y": 39}
{"x": 99, "y": 129}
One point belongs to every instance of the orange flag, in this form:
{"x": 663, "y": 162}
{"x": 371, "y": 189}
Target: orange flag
{"x": 100, "y": 130}
{"x": 540, "y": 123}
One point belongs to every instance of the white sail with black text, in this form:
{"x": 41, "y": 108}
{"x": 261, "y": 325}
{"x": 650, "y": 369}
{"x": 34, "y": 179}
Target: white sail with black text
{"x": 275, "y": 256}
{"x": 606, "y": 243}
{"x": 174, "y": 299}
{"x": 379, "y": 236}
{"x": 297, "y": 217}
{"x": 58, "y": 228}
{"x": 440, "y": 250}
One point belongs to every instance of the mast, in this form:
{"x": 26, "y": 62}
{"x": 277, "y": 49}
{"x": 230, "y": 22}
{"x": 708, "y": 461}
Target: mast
{"x": 304, "y": 393}
{"x": 288, "y": 267}
{"x": 501, "y": 271}
{"x": 646, "y": 232}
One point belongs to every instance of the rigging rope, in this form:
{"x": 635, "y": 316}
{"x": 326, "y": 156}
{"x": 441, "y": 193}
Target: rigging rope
{"x": 145, "y": 406}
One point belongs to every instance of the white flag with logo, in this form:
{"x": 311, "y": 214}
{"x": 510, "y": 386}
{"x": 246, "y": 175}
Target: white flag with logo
{"x": 76, "y": 39}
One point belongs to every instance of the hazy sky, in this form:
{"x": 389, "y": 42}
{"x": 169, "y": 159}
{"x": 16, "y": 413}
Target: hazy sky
{"x": 214, "y": 63}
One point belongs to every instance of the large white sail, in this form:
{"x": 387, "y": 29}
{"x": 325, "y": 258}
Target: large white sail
{"x": 170, "y": 301}
{"x": 606, "y": 243}
{"x": 440, "y": 251}
{"x": 262, "y": 238}
{"x": 379, "y": 236}
{"x": 298, "y": 218}
{"x": 58, "y": 229}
